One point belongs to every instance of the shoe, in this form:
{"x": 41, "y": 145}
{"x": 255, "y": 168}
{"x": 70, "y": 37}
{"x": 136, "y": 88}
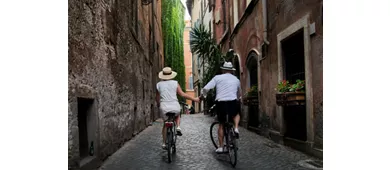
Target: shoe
{"x": 178, "y": 131}
{"x": 236, "y": 133}
{"x": 164, "y": 146}
{"x": 219, "y": 150}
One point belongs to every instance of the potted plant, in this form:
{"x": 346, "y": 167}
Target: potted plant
{"x": 290, "y": 94}
{"x": 251, "y": 96}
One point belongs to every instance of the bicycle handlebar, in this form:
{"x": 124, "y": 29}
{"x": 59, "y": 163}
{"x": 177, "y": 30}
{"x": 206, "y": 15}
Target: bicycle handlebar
{"x": 202, "y": 97}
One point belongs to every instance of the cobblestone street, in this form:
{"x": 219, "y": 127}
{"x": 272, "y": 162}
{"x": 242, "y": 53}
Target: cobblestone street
{"x": 196, "y": 151}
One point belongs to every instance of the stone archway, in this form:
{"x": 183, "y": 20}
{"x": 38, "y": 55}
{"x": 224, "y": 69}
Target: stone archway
{"x": 252, "y": 80}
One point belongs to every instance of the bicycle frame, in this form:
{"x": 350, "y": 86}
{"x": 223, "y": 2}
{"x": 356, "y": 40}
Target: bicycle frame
{"x": 227, "y": 127}
{"x": 229, "y": 144}
{"x": 170, "y": 125}
{"x": 230, "y": 138}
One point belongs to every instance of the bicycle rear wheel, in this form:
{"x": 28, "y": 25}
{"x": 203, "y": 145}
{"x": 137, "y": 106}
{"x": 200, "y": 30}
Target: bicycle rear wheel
{"x": 169, "y": 138}
{"x": 232, "y": 148}
{"x": 174, "y": 138}
{"x": 214, "y": 133}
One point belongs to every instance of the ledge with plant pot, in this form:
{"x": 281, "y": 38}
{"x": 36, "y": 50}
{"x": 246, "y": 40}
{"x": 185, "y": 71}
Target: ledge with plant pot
{"x": 291, "y": 94}
{"x": 251, "y": 97}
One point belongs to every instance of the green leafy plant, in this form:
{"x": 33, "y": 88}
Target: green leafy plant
{"x": 173, "y": 28}
{"x": 299, "y": 86}
{"x": 205, "y": 47}
{"x": 285, "y": 86}
{"x": 252, "y": 91}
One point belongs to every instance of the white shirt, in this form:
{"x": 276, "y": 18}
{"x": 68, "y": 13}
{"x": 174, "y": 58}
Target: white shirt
{"x": 168, "y": 99}
{"x": 227, "y": 87}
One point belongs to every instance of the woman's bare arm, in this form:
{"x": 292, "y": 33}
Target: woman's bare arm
{"x": 181, "y": 93}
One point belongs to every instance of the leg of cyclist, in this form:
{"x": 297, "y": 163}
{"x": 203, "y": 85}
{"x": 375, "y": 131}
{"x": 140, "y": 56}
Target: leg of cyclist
{"x": 221, "y": 115}
{"x": 220, "y": 136}
{"x": 178, "y": 130}
{"x": 236, "y": 121}
{"x": 164, "y": 133}
{"x": 236, "y": 118}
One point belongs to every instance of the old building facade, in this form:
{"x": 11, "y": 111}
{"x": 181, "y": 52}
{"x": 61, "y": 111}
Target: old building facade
{"x": 273, "y": 41}
{"x": 295, "y": 31}
{"x": 201, "y": 13}
{"x": 115, "y": 52}
{"x": 239, "y": 29}
{"x": 188, "y": 62}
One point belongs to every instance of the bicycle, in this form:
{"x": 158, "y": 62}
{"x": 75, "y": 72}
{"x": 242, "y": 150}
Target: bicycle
{"x": 171, "y": 136}
{"x": 212, "y": 110}
{"x": 183, "y": 105}
{"x": 230, "y": 141}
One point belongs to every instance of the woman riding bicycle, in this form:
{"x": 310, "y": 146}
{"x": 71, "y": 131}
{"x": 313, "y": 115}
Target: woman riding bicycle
{"x": 166, "y": 98}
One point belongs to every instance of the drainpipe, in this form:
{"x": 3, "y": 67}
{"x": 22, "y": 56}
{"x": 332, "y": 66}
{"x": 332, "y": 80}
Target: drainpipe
{"x": 262, "y": 52}
{"x": 265, "y": 40}
{"x": 265, "y": 19}
{"x": 265, "y": 31}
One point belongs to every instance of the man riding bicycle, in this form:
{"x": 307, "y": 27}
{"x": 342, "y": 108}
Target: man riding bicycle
{"x": 228, "y": 91}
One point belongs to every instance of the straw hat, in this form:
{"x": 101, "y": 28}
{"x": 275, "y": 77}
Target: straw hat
{"x": 228, "y": 66}
{"x": 167, "y": 74}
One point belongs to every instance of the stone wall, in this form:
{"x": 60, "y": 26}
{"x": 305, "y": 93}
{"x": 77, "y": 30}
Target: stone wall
{"x": 113, "y": 62}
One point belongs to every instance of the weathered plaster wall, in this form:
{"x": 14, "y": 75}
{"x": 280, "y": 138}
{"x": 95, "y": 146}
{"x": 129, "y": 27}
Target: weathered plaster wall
{"x": 116, "y": 65}
{"x": 248, "y": 38}
{"x": 281, "y": 14}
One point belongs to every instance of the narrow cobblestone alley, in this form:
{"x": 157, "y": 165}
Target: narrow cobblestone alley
{"x": 196, "y": 151}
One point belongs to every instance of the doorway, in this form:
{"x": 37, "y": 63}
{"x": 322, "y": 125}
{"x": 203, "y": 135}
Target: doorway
{"x": 253, "y": 108}
{"x": 294, "y": 69}
{"x": 87, "y": 127}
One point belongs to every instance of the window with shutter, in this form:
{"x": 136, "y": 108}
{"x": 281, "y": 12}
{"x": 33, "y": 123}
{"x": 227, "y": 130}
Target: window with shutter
{"x": 191, "y": 83}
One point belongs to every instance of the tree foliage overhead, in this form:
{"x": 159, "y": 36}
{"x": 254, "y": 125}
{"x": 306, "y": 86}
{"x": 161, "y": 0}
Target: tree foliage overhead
{"x": 204, "y": 45}
{"x": 173, "y": 29}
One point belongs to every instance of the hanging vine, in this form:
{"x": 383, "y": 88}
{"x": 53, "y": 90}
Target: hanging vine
{"x": 173, "y": 29}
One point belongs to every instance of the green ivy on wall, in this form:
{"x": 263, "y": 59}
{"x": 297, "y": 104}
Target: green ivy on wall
{"x": 173, "y": 29}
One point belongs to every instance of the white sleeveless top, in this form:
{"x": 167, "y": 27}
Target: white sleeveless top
{"x": 168, "y": 98}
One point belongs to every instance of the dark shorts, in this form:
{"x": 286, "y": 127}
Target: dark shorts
{"x": 231, "y": 108}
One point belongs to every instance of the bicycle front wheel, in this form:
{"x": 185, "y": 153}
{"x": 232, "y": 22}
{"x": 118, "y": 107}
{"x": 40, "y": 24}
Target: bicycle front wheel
{"x": 214, "y": 133}
{"x": 232, "y": 148}
{"x": 174, "y": 138}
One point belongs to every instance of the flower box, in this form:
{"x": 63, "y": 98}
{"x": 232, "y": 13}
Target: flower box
{"x": 251, "y": 100}
{"x": 290, "y": 98}
{"x": 251, "y": 96}
{"x": 290, "y": 94}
